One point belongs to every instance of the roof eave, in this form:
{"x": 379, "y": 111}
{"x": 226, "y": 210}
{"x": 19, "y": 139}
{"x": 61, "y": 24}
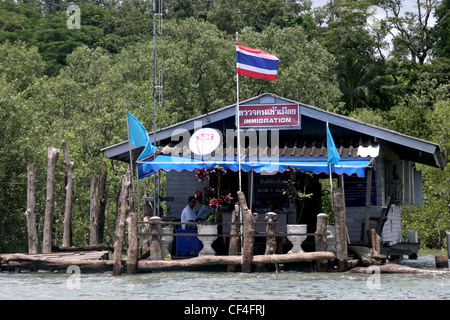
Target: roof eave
{"x": 305, "y": 110}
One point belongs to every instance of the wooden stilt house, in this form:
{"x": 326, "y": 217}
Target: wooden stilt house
{"x": 280, "y": 135}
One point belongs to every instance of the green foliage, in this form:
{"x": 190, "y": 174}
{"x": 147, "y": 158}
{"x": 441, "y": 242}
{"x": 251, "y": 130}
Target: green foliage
{"x": 234, "y": 15}
{"x": 197, "y": 60}
{"x": 16, "y": 22}
{"x": 20, "y": 66}
{"x": 345, "y": 36}
{"x": 442, "y": 34}
{"x": 306, "y": 69}
{"x": 355, "y": 83}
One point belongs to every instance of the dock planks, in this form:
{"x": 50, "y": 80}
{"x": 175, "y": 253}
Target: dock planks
{"x": 77, "y": 255}
{"x": 86, "y": 260}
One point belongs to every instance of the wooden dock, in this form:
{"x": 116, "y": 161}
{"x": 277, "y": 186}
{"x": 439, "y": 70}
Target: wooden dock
{"x": 77, "y": 255}
{"x": 87, "y": 261}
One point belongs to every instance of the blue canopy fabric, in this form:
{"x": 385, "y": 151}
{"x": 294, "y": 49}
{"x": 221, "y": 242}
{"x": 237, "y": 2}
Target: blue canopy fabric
{"x": 315, "y": 165}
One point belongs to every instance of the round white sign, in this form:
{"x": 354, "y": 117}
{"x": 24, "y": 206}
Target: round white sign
{"x": 204, "y": 141}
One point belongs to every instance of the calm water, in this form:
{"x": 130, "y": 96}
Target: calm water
{"x": 236, "y": 286}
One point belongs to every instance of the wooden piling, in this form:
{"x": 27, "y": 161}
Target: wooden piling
{"x": 52, "y": 154}
{"x": 155, "y": 238}
{"x": 120, "y": 228}
{"x": 320, "y": 240}
{"x": 70, "y": 178}
{"x": 145, "y": 242}
{"x": 441, "y": 261}
{"x": 235, "y": 242}
{"x": 271, "y": 241}
{"x": 30, "y": 212}
{"x": 133, "y": 243}
{"x": 249, "y": 220}
{"x": 447, "y": 236}
{"x": 94, "y": 210}
{"x": 341, "y": 229}
{"x": 375, "y": 242}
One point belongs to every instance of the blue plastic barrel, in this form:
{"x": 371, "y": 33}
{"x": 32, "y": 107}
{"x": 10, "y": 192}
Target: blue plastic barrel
{"x": 187, "y": 246}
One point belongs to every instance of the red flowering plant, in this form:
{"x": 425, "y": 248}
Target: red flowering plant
{"x": 211, "y": 196}
{"x": 202, "y": 175}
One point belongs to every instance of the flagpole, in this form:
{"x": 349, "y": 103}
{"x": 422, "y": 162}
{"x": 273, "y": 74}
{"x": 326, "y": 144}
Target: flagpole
{"x": 331, "y": 180}
{"x": 131, "y": 157}
{"x": 238, "y": 124}
{"x": 238, "y": 127}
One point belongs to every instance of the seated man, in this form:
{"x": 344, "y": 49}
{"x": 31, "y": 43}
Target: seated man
{"x": 188, "y": 214}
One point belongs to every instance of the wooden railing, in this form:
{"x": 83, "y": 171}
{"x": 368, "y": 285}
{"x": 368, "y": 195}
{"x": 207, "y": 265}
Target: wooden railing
{"x": 246, "y": 231}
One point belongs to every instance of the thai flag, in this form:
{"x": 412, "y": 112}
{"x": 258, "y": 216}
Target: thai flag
{"x": 256, "y": 63}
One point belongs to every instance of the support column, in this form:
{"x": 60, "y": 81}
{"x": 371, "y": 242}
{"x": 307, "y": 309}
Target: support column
{"x": 249, "y": 229}
{"x": 341, "y": 229}
{"x": 30, "y": 212}
{"x": 67, "y": 235}
{"x": 320, "y": 240}
{"x": 133, "y": 244}
{"x": 155, "y": 238}
{"x": 53, "y": 154}
{"x": 271, "y": 242}
{"x": 121, "y": 219}
{"x": 235, "y": 242}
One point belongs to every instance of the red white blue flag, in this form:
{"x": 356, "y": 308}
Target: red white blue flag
{"x": 256, "y": 63}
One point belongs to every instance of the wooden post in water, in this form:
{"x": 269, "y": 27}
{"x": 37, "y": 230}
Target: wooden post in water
{"x": 94, "y": 211}
{"x": 447, "y": 235}
{"x": 341, "y": 229}
{"x": 52, "y": 154}
{"x": 145, "y": 242}
{"x": 120, "y": 228}
{"x": 271, "y": 241}
{"x": 102, "y": 204}
{"x": 133, "y": 244}
{"x": 155, "y": 238}
{"x": 67, "y": 234}
{"x": 375, "y": 242}
{"x": 320, "y": 240}
{"x": 249, "y": 220}
{"x": 30, "y": 212}
{"x": 441, "y": 261}
{"x": 235, "y": 242}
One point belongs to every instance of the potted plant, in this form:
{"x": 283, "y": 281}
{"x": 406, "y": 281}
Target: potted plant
{"x": 296, "y": 193}
{"x": 212, "y": 203}
{"x": 211, "y": 198}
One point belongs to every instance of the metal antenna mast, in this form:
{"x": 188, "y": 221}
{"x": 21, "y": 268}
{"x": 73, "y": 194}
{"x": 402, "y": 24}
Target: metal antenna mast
{"x": 156, "y": 86}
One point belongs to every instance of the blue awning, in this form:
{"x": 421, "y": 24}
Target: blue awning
{"x": 316, "y": 165}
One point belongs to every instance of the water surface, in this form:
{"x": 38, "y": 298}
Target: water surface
{"x": 178, "y": 285}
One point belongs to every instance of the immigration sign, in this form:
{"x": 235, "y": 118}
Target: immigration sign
{"x": 269, "y": 116}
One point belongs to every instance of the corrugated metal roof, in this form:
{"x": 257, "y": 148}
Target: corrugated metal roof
{"x": 294, "y": 146}
{"x": 407, "y": 147}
